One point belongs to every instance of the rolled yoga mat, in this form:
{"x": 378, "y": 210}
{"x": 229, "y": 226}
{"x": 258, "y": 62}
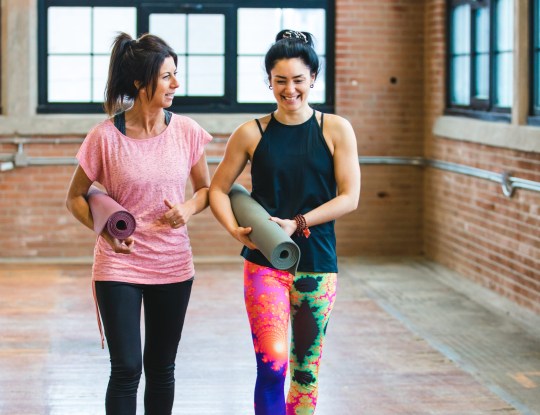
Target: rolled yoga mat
{"x": 271, "y": 240}
{"x": 106, "y": 212}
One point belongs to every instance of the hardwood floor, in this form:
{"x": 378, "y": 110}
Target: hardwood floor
{"x": 51, "y": 361}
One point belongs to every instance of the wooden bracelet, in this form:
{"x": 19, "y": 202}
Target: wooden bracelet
{"x": 301, "y": 226}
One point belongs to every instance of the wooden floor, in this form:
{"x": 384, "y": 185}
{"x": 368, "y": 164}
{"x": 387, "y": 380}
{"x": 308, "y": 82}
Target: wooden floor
{"x": 51, "y": 361}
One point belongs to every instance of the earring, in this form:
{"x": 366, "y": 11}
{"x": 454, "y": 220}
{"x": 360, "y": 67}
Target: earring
{"x": 269, "y": 86}
{"x": 312, "y": 85}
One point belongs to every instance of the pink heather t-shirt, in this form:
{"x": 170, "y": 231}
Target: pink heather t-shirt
{"x": 139, "y": 174}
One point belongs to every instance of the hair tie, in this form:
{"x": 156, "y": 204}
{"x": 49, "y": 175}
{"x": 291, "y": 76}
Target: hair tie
{"x": 293, "y": 34}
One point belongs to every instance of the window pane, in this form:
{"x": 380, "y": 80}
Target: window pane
{"x": 481, "y": 49}
{"x": 181, "y": 76}
{"x": 460, "y": 88}
{"x": 69, "y": 29}
{"x": 482, "y": 76}
{"x": 504, "y": 40}
{"x": 195, "y": 34}
{"x": 69, "y": 79}
{"x": 482, "y": 30}
{"x": 461, "y": 29}
{"x": 206, "y": 76}
{"x": 171, "y": 28}
{"x": 505, "y": 25}
{"x": 108, "y": 21}
{"x": 460, "y": 65}
{"x": 253, "y": 81}
{"x": 257, "y": 29}
{"x": 99, "y": 73}
{"x": 206, "y": 34}
{"x": 503, "y": 96}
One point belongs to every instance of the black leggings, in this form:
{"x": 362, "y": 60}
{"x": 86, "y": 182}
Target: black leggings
{"x": 164, "y": 312}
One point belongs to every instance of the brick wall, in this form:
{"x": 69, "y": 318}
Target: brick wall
{"x": 469, "y": 225}
{"x": 379, "y": 89}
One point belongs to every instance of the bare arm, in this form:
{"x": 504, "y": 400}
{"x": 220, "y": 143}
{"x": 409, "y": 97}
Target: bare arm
{"x": 76, "y": 202}
{"x": 235, "y": 159}
{"x": 79, "y": 208}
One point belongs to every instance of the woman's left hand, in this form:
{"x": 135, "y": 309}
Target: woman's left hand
{"x": 177, "y": 216}
{"x": 288, "y": 225}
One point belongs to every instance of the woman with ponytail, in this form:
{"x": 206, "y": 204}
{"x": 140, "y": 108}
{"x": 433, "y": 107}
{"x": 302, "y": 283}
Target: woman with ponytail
{"x": 143, "y": 156}
{"x": 305, "y": 173}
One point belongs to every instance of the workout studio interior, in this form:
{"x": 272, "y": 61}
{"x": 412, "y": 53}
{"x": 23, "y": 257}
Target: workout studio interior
{"x": 437, "y": 308}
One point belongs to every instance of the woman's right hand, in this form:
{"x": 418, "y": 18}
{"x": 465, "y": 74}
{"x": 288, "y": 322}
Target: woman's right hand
{"x": 124, "y": 246}
{"x": 241, "y": 234}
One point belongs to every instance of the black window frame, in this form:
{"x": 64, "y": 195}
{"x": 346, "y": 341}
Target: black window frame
{"x": 534, "y": 67}
{"x": 477, "y": 108}
{"x": 226, "y": 104}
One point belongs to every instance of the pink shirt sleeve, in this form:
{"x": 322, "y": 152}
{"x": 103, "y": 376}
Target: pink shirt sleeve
{"x": 198, "y": 137}
{"x": 90, "y": 154}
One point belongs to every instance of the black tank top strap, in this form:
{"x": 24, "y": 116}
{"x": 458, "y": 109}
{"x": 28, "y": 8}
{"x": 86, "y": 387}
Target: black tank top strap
{"x": 322, "y": 120}
{"x": 168, "y": 116}
{"x": 120, "y": 120}
{"x": 259, "y": 125}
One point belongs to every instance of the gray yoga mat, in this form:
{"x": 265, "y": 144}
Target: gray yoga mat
{"x": 271, "y": 240}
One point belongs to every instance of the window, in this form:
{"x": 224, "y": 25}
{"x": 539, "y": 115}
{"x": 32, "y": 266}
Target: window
{"x": 480, "y": 58}
{"x": 220, "y": 49}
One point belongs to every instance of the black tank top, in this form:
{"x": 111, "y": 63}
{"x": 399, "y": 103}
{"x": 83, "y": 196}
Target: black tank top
{"x": 292, "y": 172}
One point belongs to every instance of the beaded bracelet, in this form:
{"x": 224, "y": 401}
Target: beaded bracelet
{"x": 301, "y": 226}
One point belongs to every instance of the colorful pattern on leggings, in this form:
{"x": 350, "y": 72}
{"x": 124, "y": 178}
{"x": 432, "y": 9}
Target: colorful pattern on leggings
{"x": 271, "y": 296}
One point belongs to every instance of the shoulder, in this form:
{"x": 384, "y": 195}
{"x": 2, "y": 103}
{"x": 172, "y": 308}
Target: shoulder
{"x": 336, "y": 122}
{"x": 189, "y": 126}
{"x": 184, "y": 121}
{"x": 102, "y": 126}
{"x": 337, "y": 128}
{"x": 249, "y": 130}
{"x": 101, "y": 131}
{"x": 247, "y": 135}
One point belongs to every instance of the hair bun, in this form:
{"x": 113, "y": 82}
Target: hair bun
{"x": 293, "y": 34}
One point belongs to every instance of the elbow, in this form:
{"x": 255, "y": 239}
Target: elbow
{"x": 68, "y": 204}
{"x": 353, "y": 204}
{"x": 201, "y": 194}
{"x": 350, "y": 202}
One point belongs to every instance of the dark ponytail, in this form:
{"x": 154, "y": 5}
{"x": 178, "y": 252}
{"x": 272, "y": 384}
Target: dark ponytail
{"x": 134, "y": 60}
{"x": 291, "y": 44}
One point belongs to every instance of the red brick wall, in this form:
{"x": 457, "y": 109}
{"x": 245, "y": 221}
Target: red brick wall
{"x": 469, "y": 225}
{"x": 379, "y": 89}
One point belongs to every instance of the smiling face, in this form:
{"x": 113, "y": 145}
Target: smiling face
{"x": 291, "y": 80}
{"x": 166, "y": 85}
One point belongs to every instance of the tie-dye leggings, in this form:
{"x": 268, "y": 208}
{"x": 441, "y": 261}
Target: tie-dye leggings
{"x": 271, "y": 297}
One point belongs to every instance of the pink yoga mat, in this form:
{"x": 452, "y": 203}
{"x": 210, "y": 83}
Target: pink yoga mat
{"x": 106, "y": 212}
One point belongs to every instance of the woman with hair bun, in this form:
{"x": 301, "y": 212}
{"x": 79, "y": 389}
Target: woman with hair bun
{"x": 143, "y": 155}
{"x": 305, "y": 173}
